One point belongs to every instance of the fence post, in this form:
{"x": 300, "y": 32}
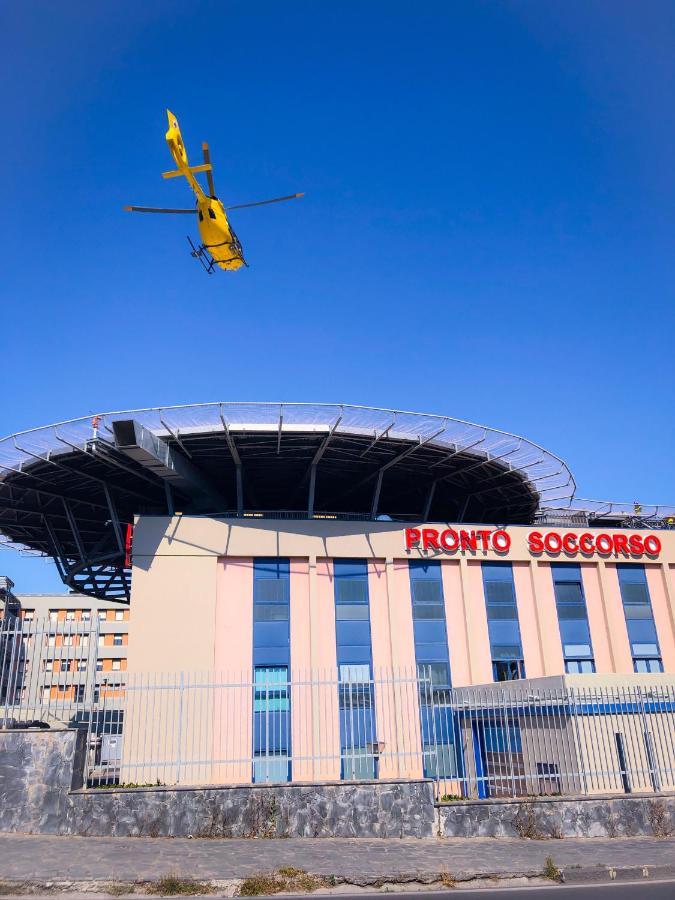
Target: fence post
{"x": 180, "y": 725}
{"x": 649, "y": 750}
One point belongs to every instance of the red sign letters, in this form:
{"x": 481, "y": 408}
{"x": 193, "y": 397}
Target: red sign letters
{"x": 551, "y": 543}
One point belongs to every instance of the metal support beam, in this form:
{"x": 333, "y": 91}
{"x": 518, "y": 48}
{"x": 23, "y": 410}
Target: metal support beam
{"x": 58, "y": 556}
{"x": 75, "y": 531}
{"x": 465, "y": 506}
{"x": 240, "y": 489}
{"x": 176, "y": 436}
{"x": 378, "y": 437}
{"x": 281, "y": 422}
{"x": 427, "y": 505}
{"x": 169, "y": 499}
{"x": 376, "y": 495}
{"x": 237, "y": 464}
{"x": 114, "y": 519}
{"x": 315, "y": 462}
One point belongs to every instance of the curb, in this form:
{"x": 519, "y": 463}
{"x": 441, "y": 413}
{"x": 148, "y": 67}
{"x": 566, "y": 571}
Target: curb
{"x": 575, "y": 875}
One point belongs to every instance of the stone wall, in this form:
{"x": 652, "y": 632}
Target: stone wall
{"x": 38, "y": 769}
{"x": 40, "y": 794}
{"x": 560, "y": 817}
{"x": 338, "y": 809}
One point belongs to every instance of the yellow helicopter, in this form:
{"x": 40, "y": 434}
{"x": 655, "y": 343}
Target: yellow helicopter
{"x": 220, "y": 245}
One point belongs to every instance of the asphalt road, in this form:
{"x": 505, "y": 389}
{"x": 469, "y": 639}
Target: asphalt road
{"x": 636, "y": 890}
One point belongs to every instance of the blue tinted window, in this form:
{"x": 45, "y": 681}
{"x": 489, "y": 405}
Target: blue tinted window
{"x": 428, "y": 607}
{"x": 503, "y": 627}
{"x": 637, "y": 607}
{"x": 354, "y": 657}
{"x": 437, "y": 720}
{"x": 575, "y": 633}
{"x": 271, "y": 660}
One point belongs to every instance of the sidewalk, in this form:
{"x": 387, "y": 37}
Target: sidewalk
{"x": 361, "y": 862}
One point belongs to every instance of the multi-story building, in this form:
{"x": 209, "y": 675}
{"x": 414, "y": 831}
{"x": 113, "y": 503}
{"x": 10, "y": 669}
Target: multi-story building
{"x": 86, "y": 632}
{"x": 313, "y": 561}
{"x": 61, "y": 649}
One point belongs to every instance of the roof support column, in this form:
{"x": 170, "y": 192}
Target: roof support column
{"x": 376, "y": 495}
{"x": 240, "y": 488}
{"x": 312, "y": 490}
{"x": 113, "y": 516}
{"x": 427, "y": 505}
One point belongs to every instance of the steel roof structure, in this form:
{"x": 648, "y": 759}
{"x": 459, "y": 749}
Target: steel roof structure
{"x": 68, "y": 490}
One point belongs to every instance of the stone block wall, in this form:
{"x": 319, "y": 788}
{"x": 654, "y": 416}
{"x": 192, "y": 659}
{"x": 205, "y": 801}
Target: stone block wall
{"x": 40, "y": 793}
{"x": 38, "y": 769}
{"x": 367, "y": 809}
{"x": 560, "y": 817}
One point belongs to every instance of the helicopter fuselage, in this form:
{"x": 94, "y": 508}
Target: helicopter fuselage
{"x": 217, "y": 234}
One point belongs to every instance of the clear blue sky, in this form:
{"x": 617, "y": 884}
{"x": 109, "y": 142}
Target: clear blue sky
{"x": 488, "y": 230}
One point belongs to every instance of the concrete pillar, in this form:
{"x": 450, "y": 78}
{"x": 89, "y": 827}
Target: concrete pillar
{"x": 480, "y": 659}
{"x": 616, "y": 619}
{"x": 598, "y": 621}
{"x": 547, "y": 614}
{"x": 456, "y": 623}
{"x": 233, "y": 668}
{"x": 530, "y": 631}
{"x": 665, "y": 629}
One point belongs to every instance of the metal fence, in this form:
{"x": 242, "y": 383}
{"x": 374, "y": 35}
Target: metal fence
{"x": 496, "y": 741}
{"x": 503, "y": 740}
{"x": 49, "y": 670}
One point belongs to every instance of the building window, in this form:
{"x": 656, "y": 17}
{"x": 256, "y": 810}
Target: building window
{"x": 117, "y": 640}
{"x": 53, "y": 615}
{"x": 502, "y": 614}
{"x": 271, "y": 709}
{"x": 438, "y": 726}
{"x": 358, "y": 757}
{"x": 119, "y": 615}
{"x": 82, "y": 665}
{"x": 271, "y": 662}
{"x": 49, "y": 665}
{"x": 86, "y": 615}
{"x": 80, "y": 690}
{"x": 29, "y": 615}
{"x": 575, "y": 633}
{"x": 116, "y": 665}
{"x": 637, "y": 607}
{"x": 99, "y": 665}
{"x": 70, "y": 615}
{"x": 102, "y": 615}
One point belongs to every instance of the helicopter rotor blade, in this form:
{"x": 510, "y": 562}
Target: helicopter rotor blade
{"x": 209, "y": 172}
{"x": 157, "y": 209}
{"x": 265, "y": 202}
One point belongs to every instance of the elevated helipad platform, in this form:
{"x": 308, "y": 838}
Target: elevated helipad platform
{"x": 68, "y": 490}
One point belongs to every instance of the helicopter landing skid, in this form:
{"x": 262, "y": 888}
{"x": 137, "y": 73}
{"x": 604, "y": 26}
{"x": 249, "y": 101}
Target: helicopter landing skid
{"x": 205, "y": 260}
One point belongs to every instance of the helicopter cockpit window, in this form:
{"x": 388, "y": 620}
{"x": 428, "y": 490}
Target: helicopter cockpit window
{"x": 201, "y": 216}
{"x": 212, "y": 215}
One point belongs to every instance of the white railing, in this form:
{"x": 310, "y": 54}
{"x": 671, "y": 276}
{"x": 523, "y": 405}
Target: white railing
{"x": 48, "y": 671}
{"x": 502, "y": 740}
